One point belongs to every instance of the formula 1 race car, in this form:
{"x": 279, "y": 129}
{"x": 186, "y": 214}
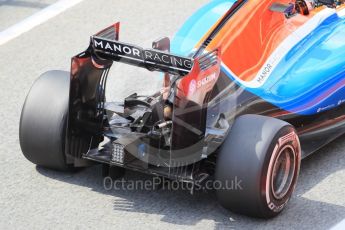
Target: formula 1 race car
{"x": 250, "y": 87}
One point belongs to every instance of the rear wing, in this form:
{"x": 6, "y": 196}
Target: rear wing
{"x": 105, "y": 46}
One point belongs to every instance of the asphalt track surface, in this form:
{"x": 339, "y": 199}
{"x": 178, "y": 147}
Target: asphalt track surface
{"x": 35, "y": 198}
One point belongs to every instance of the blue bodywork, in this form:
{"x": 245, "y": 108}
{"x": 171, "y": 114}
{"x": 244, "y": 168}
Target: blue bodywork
{"x": 309, "y": 80}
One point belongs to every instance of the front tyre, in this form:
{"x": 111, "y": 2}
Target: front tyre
{"x": 264, "y": 154}
{"x": 43, "y": 122}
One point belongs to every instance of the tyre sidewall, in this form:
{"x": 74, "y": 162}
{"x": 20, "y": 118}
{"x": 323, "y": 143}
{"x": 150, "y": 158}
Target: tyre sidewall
{"x": 246, "y": 154}
{"x": 270, "y": 204}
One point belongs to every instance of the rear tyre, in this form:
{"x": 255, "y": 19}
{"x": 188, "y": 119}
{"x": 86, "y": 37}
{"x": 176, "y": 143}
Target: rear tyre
{"x": 43, "y": 121}
{"x": 258, "y": 166}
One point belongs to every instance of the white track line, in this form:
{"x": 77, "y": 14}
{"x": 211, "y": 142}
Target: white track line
{"x": 339, "y": 226}
{"x": 36, "y": 19}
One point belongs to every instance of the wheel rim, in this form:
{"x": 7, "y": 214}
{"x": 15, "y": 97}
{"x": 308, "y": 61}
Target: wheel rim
{"x": 283, "y": 172}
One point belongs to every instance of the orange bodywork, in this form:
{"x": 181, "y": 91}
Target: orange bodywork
{"x": 252, "y": 34}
